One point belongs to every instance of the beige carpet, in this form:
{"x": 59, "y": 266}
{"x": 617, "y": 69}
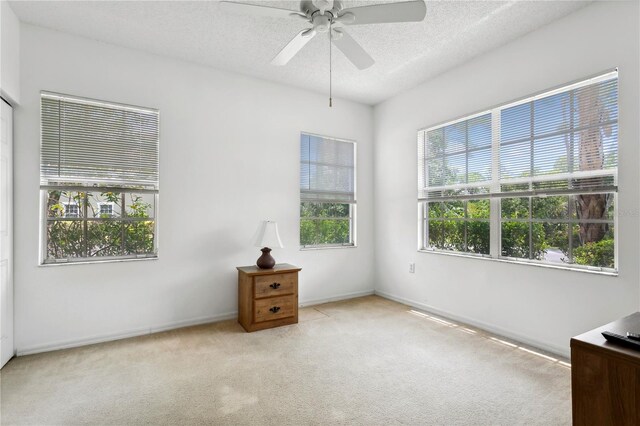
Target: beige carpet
{"x": 363, "y": 361}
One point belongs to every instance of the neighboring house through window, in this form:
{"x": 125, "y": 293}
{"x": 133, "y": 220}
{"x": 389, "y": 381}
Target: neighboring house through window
{"x": 327, "y": 192}
{"x": 71, "y": 209}
{"x": 106, "y": 209}
{"x": 534, "y": 180}
{"x": 99, "y": 180}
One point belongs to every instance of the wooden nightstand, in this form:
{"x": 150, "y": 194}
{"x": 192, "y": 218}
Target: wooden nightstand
{"x": 267, "y": 298}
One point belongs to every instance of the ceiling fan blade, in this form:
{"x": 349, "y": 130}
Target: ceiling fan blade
{"x": 351, "y": 49}
{"x": 408, "y": 11}
{"x": 293, "y": 47}
{"x": 273, "y": 12}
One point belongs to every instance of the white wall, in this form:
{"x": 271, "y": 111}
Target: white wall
{"x": 229, "y": 158}
{"x": 10, "y": 53}
{"x": 538, "y": 305}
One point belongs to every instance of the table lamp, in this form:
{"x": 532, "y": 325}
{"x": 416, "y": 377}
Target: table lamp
{"x": 268, "y": 238}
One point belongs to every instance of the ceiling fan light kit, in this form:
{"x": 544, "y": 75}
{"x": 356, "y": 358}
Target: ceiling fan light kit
{"x": 329, "y": 16}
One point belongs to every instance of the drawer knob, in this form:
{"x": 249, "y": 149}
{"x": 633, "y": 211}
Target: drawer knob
{"x": 275, "y": 286}
{"x": 275, "y": 309}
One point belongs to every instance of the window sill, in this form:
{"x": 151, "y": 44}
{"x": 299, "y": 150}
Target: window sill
{"x": 609, "y": 273}
{"x": 327, "y": 247}
{"x": 92, "y": 262}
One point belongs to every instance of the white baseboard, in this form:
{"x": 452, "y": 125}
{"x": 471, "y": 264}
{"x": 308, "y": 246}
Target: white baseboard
{"x": 53, "y": 346}
{"x": 499, "y": 331}
{"x": 344, "y": 296}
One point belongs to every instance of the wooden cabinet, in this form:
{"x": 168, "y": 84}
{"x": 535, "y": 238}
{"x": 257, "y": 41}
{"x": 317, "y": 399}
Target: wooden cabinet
{"x": 267, "y": 298}
{"x": 605, "y": 377}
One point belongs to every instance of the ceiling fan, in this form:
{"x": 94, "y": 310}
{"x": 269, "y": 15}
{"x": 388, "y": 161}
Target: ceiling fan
{"x": 329, "y": 16}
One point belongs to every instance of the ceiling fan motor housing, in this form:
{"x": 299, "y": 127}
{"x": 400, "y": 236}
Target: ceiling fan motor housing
{"x": 311, "y": 10}
{"x": 321, "y": 23}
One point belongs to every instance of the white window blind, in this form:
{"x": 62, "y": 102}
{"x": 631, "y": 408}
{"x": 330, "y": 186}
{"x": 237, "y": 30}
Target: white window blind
{"x": 565, "y": 142}
{"x": 327, "y": 170}
{"x": 455, "y": 159}
{"x": 95, "y": 143}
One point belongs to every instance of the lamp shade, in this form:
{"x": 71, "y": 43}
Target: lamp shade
{"x": 268, "y": 235}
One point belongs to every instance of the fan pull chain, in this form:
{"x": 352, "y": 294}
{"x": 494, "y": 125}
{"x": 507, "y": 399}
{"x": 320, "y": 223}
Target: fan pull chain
{"x": 330, "y": 85}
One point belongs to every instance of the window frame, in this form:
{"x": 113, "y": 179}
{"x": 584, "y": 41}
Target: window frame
{"x": 118, "y": 186}
{"x": 495, "y": 196}
{"x": 352, "y": 218}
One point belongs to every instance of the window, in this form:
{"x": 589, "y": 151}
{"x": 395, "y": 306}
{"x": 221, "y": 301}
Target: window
{"x": 535, "y": 180}
{"x": 98, "y": 180}
{"x": 459, "y": 225}
{"x": 327, "y": 192}
{"x": 71, "y": 209}
{"x": 456, "y": 158}
{"x": 106, "y": 209}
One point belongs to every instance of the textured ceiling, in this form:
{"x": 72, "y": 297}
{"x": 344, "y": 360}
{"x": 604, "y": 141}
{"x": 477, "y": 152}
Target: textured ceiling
{"x": 406, "y": 54}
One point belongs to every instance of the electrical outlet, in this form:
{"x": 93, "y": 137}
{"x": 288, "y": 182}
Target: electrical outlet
{"x": 412, "y": 268}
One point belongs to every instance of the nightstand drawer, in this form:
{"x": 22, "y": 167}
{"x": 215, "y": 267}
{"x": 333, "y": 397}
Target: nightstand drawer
{"x": 275, "y": 308}
{"x": 275, "y": 285}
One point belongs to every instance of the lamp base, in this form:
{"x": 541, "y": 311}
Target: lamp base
{"x": 266, "y": 261}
